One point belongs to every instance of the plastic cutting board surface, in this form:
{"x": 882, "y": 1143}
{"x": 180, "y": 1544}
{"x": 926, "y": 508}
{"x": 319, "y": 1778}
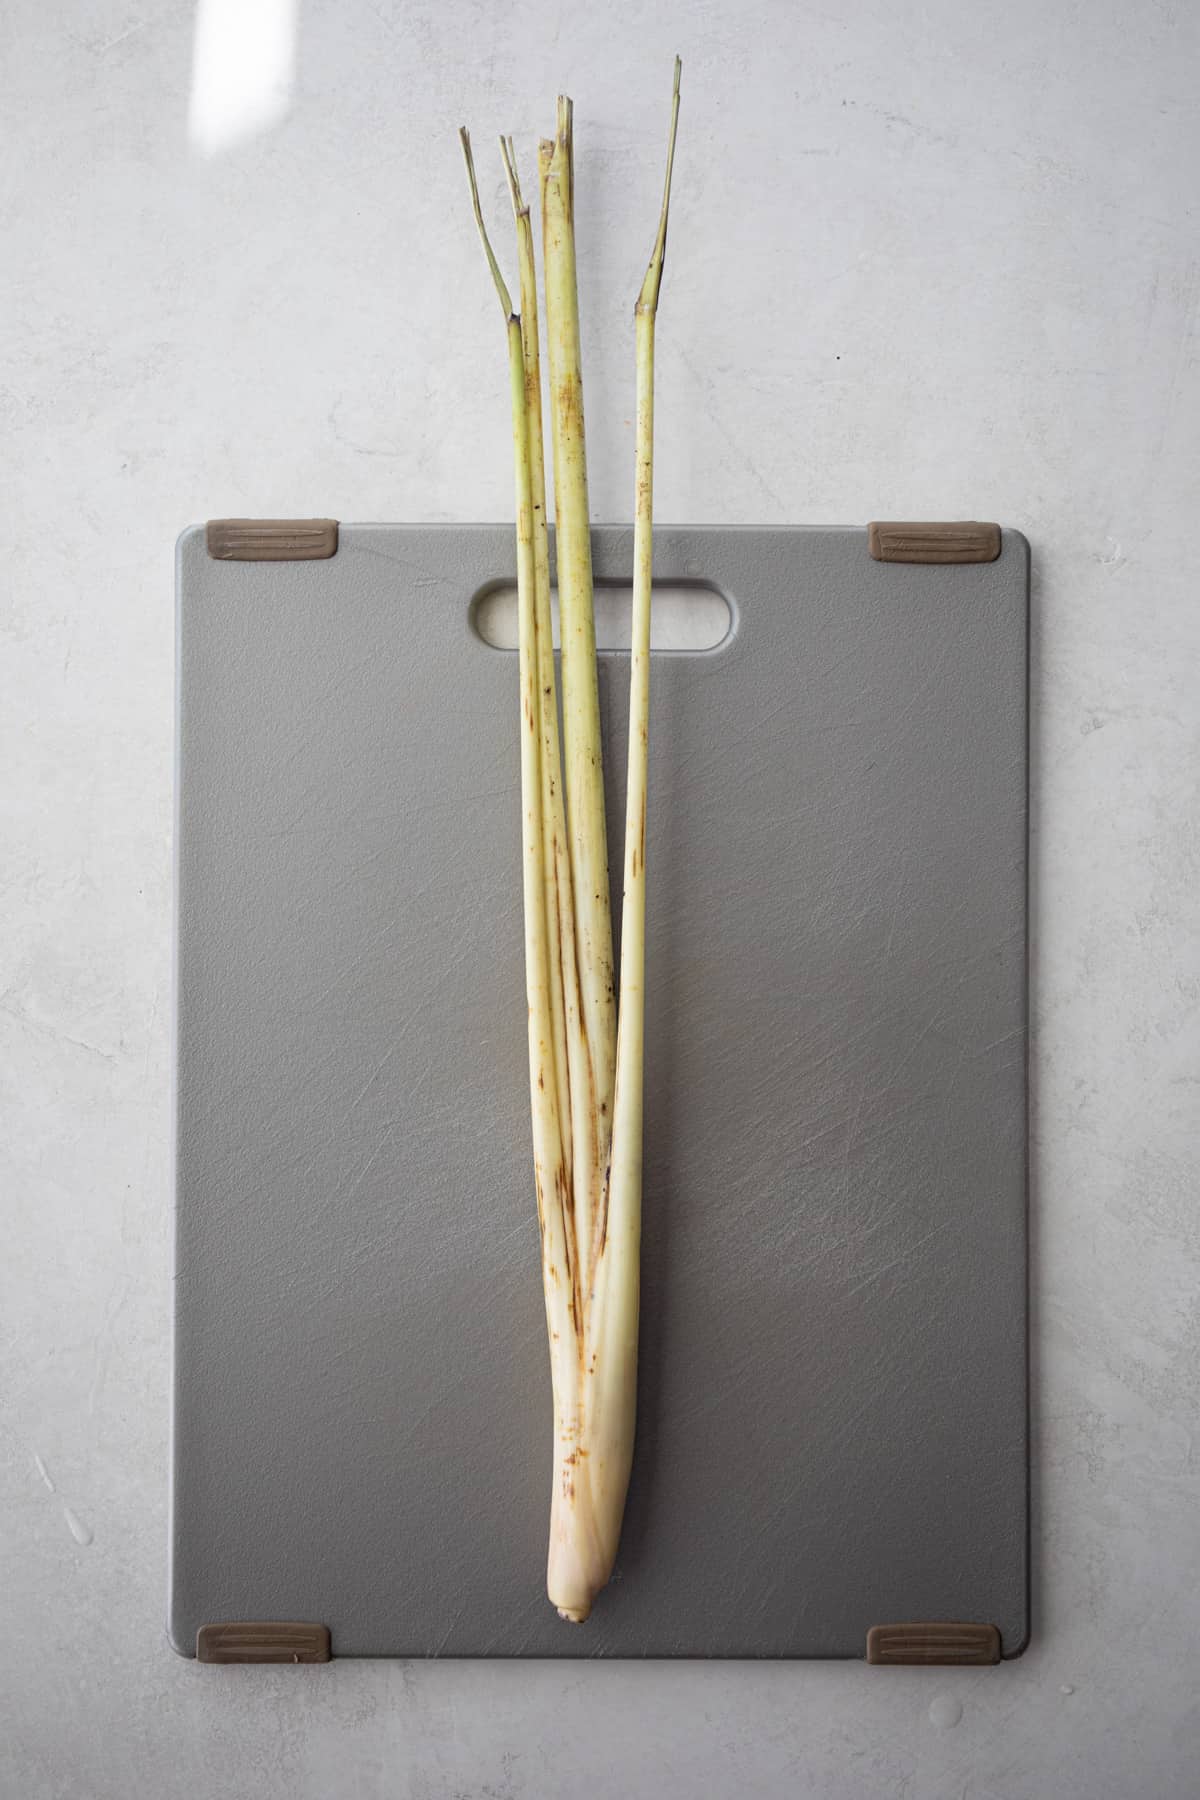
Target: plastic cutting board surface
{"x": 832, "y": 1410}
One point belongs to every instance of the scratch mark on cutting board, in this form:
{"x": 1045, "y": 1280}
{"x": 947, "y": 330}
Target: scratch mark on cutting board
{"x": 376, "y": 1072}
{"x": 1006, "y": 1037}
{"x": 340, "y": 681}
{"x": 901, "y": 889}
{"x": 445, "y": 1637}
{"x": 905, "y": 1256}
{"x": 852, "y": 1133}
{"x": 376, "y": 1153}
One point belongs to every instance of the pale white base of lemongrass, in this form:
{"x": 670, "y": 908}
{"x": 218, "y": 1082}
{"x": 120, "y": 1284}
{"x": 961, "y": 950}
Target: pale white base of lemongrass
{"x": 594, "y": 1423}
{"x": 594, "y": 1370}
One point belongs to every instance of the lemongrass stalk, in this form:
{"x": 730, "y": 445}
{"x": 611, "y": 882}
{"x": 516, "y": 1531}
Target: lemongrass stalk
{"x": 592, "y": 1107}
{"x": 560, "y": 1263}
{"x": 579, "y": 1558}
{"x": 609, "y": 1393}
{"x": 571, "y": 1513}
{"x": 590, "y": 1205}
{"x": 571, "y": 1521}
{"x": 560, "y": 911}
{"x": 625, "y": 1180}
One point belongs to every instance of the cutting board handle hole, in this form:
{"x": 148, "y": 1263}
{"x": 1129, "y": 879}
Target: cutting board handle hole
{"x": 685, "y": 616}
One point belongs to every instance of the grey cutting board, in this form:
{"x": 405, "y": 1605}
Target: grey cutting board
{"x": 832, "y": 1411}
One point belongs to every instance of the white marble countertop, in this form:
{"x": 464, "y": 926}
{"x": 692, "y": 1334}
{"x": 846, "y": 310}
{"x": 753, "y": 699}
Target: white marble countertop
{"x": 927, "y": 260}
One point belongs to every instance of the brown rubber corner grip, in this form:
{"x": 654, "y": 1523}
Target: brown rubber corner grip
{"x": 969, "y": 541}
{"x": 271, "y": 540}
{"x": 263, "y": 1641}
{"x": 933, "y": 1643}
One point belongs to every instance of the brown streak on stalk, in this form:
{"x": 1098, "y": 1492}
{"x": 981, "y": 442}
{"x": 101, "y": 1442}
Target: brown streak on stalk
{"x": 563, "y": 1100}
{"x": 602, "y": 1234}
{"x": 593, "y": 1109}
{"x": 569, "y": 399}
{"x": 566, "y": 1198}
{"x": 577, "y": 1303}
